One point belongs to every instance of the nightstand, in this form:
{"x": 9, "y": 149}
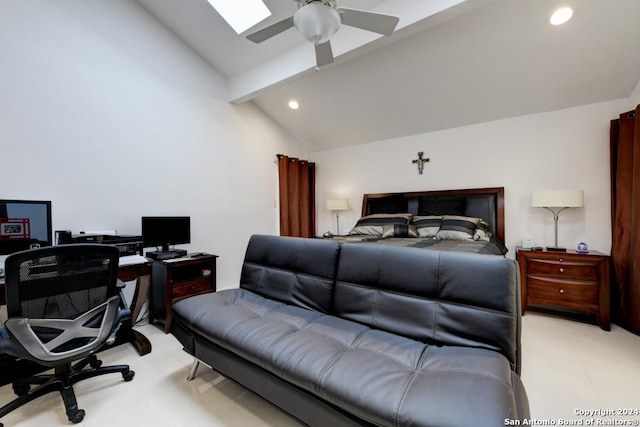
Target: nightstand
{"x": 178, "y": 278}
{"x": 569, "y": 280}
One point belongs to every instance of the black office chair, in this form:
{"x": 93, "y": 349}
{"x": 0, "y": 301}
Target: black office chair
{"x": 62, "y": 307}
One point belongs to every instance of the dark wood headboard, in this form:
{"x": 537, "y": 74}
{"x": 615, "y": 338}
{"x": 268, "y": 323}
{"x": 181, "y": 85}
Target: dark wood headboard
{"x": 485, "y": 203}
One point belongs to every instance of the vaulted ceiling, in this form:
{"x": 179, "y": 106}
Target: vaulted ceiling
{"x": 450, "y": 63}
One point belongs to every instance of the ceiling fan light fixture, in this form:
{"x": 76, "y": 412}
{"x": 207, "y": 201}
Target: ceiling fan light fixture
{"x": 317, "y": 22}
{"x": 561, "y": 16}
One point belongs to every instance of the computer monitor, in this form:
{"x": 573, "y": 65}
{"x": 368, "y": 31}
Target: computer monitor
{"x": 165, "y": 231}
{"x": 24, "y": 224}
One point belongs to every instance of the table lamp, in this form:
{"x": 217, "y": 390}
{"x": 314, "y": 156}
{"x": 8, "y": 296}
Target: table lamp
{"x": 556, "y": 201}
{"x": 337, "y": 205}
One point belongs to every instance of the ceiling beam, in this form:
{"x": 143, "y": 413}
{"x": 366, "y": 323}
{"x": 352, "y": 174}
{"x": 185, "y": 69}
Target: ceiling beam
{"x": 415, "y": 15}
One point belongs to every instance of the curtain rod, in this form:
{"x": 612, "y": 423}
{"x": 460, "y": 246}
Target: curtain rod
{"x": 294, "y": 159}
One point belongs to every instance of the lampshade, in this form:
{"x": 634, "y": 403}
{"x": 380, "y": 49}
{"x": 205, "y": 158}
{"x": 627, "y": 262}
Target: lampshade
{"x": 316, "y": 22}
{"x": 557, "y": 199}
{"x": 337, "y": 204}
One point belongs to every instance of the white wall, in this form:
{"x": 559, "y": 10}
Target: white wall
{"x": 566, "y": 149}
{"x": 108, "y": 115}
{"x": 634, "y": 99}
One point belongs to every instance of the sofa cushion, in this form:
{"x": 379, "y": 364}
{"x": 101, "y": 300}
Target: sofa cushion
{"x": 381, "y": 377}
{"x": 443, "y": 298}
{"x": 292, "y": 270}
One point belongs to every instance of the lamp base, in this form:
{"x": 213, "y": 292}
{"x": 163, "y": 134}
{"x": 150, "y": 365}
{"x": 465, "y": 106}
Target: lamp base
{"x": 554, "y": 249}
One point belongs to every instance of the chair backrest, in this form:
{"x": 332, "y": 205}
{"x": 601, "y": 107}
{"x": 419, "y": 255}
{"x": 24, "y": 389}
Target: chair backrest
{"x": 60, "y": 282}
{"x": 62, "y": 300}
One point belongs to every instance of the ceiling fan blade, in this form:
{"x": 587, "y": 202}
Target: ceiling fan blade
{"x": 270, "y": 31}
{"x": 370, "y": 21}
{"x": 324, "y": 54}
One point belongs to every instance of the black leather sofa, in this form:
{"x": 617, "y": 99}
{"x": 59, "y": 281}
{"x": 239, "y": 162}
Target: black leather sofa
{"x": 366, "y": 334}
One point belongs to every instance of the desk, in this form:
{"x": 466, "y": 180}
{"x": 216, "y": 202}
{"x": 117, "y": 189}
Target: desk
{"x": 136, "y": 268}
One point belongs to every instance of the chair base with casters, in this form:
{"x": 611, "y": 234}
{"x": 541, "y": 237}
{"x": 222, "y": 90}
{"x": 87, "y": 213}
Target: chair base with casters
{"x": 62, "y": 380}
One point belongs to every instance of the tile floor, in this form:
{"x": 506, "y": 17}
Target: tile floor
{"x": 567, "y": 366}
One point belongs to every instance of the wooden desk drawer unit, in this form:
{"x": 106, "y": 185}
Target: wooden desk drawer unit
{"x": 569, "y": 279}
{"x": 175, "y": 279}
{"x": 192, "y": 288}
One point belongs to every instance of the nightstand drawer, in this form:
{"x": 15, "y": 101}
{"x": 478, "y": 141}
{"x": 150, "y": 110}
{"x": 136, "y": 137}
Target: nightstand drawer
{"x": 191, "y": 288}
{"x": 563, "y": 269}
{"x": 575, "y": 292}
{"x": 568, "y": 280}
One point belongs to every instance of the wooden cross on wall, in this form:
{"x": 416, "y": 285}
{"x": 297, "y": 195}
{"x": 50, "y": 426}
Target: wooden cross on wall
{"x": 420, "y": 162}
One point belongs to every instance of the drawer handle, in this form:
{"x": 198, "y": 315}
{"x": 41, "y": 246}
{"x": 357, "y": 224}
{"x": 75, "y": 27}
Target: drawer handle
{"x": 562, "y": 291}
{"x": 562, "y": 270}
{"x": 193, "y": 288}
{"x": 561, "y": 260}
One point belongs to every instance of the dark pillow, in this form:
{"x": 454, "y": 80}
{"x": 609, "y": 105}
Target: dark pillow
{"x": 399, "y": 230}
{"x": 387, "y": 204}
{"x": 427, "y": 226}
{"x": 442, "y": 206}
{"x": 457, "y": 228}
{"x": 493, "y": 239}
{"x": 373, "y": 225}
{"x": 482, "y": 231}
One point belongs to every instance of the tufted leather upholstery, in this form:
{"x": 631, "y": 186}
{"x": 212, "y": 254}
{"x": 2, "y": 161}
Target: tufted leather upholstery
{"x": 413, "y": 337}
{"x": 445, "y": 298}
{"x": 296, "y": 271}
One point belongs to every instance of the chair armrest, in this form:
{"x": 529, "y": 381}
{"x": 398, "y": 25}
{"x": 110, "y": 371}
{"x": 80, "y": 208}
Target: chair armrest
{"x": 22, "y": 331}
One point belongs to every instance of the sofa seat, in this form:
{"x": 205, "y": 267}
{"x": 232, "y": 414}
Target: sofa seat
{"x": 383, "y": 378}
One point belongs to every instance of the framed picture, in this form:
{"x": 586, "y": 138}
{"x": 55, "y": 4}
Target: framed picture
{"x": 13, "y": 229}
{"x": 9, "y": 229}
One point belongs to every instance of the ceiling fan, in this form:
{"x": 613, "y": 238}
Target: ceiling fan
{"x": 318, "y": 20}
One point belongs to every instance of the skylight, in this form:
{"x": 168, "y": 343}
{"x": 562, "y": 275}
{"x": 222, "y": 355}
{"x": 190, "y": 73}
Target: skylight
{"x": 241, "y": 14}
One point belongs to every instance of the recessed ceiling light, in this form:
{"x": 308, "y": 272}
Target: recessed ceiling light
{"x": 561, "y": 16}
{"x": 241, "y": 14}
{"x": 294, "y": 105}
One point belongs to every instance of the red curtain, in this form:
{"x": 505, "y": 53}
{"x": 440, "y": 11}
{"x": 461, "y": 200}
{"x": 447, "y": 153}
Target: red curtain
{"x": 297, "y": 181}
{"x": 625, "y": 219}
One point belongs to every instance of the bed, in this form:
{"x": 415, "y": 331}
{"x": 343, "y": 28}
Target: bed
{"x": 466, "y": 220}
